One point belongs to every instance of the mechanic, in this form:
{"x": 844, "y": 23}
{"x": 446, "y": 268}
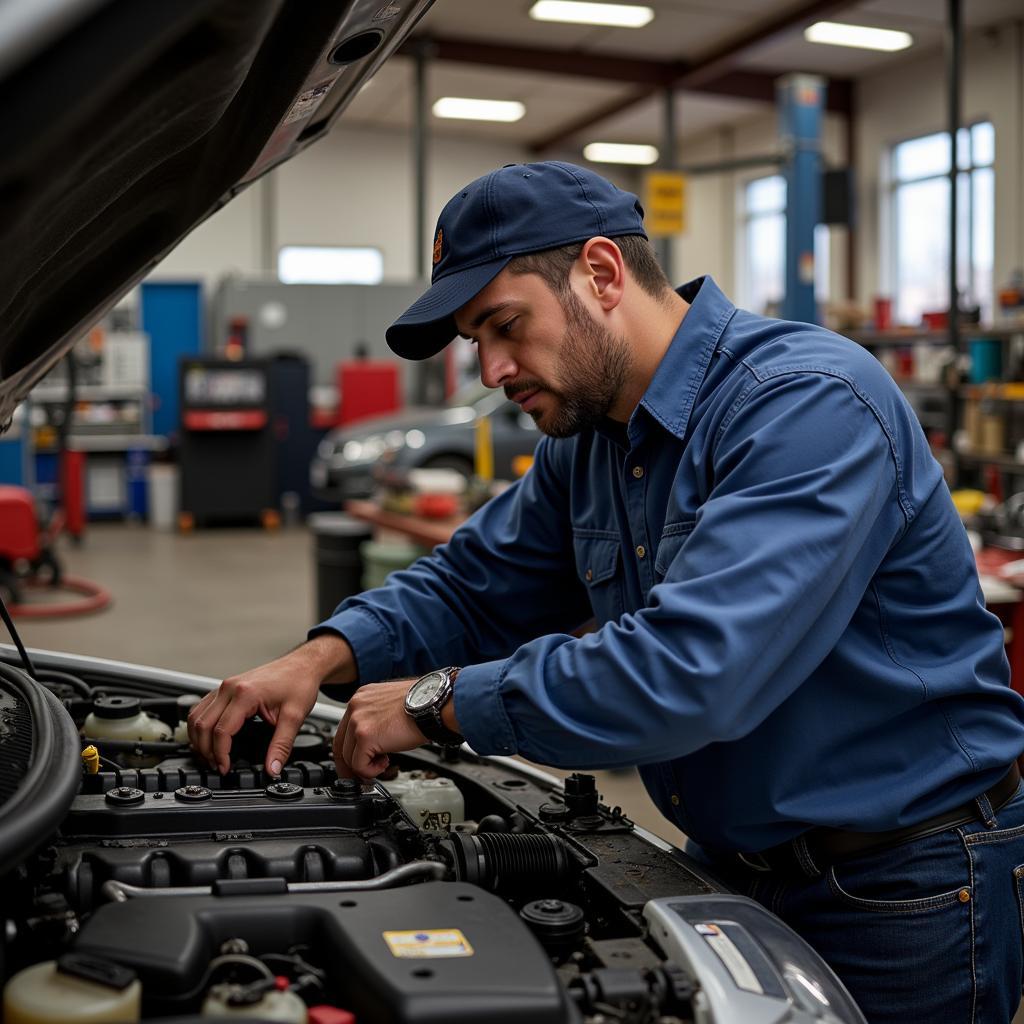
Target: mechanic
{"x": 792, "y": 642}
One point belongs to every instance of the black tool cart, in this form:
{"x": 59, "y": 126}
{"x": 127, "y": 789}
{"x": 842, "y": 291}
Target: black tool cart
{"x": 227, "y": 450}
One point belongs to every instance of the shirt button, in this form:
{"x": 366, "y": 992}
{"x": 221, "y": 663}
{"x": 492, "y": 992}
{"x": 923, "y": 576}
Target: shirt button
{"x": 590, "y": 575}
{"x": 638, "y": 471}
{"x": 675, "y": 799}
{"x": 641, "y": 551}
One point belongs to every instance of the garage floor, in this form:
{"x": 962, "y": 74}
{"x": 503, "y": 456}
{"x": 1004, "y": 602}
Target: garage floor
{"x": 215, "y": 603}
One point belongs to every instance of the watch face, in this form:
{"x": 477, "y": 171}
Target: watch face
{"x": 424, "y": 690}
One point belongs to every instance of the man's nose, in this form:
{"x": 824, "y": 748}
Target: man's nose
{"x": 496, "y": 365}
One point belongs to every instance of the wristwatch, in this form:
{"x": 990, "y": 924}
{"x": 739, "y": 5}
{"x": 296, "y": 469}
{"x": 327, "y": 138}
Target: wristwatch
{"x": 424, "y": 701}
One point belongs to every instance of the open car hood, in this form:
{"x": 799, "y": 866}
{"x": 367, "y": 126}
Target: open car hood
{"x": 126, "y": 124}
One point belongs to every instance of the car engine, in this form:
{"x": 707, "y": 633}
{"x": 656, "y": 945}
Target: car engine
{"x": 455, "y": 888}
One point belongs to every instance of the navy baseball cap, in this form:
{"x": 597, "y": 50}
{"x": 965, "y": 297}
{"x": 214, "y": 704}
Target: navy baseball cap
{"x": 517, "y": 209}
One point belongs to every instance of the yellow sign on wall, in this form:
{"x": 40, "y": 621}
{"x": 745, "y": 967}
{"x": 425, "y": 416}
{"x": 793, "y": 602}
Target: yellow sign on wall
{"x": 664, "y": 203}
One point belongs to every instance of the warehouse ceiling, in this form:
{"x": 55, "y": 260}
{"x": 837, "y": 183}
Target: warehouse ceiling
{"x": 581, "y": 83}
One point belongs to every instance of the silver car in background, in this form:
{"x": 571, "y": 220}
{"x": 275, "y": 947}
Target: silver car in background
{"x": 421, "y": 438}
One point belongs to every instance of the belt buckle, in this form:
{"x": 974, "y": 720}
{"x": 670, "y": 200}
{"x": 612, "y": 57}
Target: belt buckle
{"x": 754, "y": 861}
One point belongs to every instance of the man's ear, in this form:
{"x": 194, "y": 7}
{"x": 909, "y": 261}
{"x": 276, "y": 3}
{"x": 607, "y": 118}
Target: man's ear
{"x": 602, "y": 272}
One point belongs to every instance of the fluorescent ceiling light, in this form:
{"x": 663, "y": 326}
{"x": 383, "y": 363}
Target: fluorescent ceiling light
{"x": 861, "y": 36}
{"x": 478, "y": 110}
{"x": 577, "y": 13}
{"x": 619, "y": 153}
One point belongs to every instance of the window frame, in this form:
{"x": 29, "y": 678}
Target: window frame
{"x": 890, "y": 225}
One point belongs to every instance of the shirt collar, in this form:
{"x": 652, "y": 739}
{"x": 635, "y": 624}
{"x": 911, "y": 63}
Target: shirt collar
{"x": 673, "y": 389}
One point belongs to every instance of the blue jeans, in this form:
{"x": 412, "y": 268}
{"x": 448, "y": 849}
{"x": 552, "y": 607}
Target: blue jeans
{"x": 927, "y": 931}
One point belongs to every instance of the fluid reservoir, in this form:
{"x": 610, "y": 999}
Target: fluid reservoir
{"x": 181, "y": 733}
{"x": 433, "y": 804}
{"x": 277, "y": 1005}
{"x": 43, "y": 995}
{"x": 122, "y": 718}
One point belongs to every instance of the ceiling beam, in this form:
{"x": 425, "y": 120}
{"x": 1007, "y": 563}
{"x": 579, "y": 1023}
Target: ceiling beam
{"x": 555, "y": 62}
{"x": 712, "y": 72}
{"x": 720, "y": 59}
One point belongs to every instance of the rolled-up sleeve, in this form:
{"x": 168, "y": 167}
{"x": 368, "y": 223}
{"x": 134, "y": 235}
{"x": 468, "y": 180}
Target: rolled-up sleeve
{"x": 805, "y": 503}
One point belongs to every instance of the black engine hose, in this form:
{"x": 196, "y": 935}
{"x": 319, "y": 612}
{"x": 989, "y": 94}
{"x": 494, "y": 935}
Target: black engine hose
{"x": 50, "y": 675}
{"x": 495, "y": 860}
{"x": 52, "y": 777}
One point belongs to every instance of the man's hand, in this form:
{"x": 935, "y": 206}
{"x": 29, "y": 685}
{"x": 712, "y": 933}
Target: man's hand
{"x": 283, "y": 692}
{"x": 375, "y": 724}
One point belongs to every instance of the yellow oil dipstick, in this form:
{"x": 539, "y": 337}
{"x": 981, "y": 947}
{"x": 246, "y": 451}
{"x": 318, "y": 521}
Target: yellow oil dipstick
{"x": 484, "y": 449}
{"x": 91, "y": 759}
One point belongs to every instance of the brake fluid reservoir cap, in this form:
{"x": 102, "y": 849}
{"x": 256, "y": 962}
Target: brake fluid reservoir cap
{"x": 116, "y": 707}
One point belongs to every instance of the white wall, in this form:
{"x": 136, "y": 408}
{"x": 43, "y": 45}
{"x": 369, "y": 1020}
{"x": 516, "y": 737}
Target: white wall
{"x": 356, "y": 186}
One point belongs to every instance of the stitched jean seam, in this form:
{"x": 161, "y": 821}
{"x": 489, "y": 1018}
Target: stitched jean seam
{"x": 974, "y": 972}
{"x": 945, "y": 899}
{"x": 997, "y": 836}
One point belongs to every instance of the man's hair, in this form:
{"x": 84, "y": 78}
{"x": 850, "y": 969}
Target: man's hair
{"x": 553, "y": 265}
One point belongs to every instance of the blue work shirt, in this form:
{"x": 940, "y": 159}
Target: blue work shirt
{"x": 791, "y": 630}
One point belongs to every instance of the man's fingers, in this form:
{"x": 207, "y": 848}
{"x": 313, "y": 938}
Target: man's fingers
{"x": 241, "y": 706}
{"x": 205, "y": 720}
{"x": 338, "y": 747}
{"x": 280, "y": 747}
{"x": 196, "y": 712}
{"x": 348, "y": 748}
{"x": 368, "y": 765}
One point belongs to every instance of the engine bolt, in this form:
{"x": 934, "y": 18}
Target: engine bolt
{"x": 192, "y": 793}
{"x": 550, "y": 906}
{"x": 284, "y": 791}
{"x": 125, "y": 795}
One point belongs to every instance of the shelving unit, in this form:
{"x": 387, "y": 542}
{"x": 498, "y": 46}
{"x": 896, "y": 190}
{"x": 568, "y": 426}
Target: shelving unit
{"x": 111, "y": 423}
{"x": 974, "y": 426}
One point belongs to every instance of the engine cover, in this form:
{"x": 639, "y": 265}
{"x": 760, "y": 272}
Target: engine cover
{"x": 435, "y": 953}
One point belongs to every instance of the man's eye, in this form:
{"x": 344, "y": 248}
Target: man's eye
{"x": 506, "y": 327}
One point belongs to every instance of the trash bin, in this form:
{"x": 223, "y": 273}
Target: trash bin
{"x": 381, "y": 559}
{"x": 339, "y": 563}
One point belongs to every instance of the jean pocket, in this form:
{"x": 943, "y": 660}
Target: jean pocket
{"x": 919, "y": 877}
{"x": 962, "y": 894}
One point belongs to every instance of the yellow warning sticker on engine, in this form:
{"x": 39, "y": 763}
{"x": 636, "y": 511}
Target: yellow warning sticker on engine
{"x": 428, "y": 944}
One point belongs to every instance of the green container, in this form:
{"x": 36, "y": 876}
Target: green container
{"x": 380, "y": 559}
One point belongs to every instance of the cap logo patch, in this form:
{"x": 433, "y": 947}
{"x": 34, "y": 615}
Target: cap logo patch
{"x": 437, "y": 247}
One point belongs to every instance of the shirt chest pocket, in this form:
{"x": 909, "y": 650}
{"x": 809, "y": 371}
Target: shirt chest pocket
{"x": 599, "y": 567}
{"x": 673, "y": 537}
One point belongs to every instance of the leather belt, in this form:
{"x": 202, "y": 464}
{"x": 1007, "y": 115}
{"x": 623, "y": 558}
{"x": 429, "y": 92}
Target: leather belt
{"x": 815, "y": 850}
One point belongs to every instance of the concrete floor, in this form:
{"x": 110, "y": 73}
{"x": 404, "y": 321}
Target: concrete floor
{"x": 216, "y": 602}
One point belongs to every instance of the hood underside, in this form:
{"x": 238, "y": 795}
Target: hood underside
{"x": 126, "y": 124}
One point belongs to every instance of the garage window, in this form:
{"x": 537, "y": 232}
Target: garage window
{"x": 763, "y": 247}
{"x": 338, "y": 264}
{"x": 919, "y": 210}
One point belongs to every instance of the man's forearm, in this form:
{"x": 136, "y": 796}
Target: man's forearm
{"x": 330, "y": 658}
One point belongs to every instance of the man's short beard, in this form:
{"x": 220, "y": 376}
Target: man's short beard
{"x": 593, "y": 367}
